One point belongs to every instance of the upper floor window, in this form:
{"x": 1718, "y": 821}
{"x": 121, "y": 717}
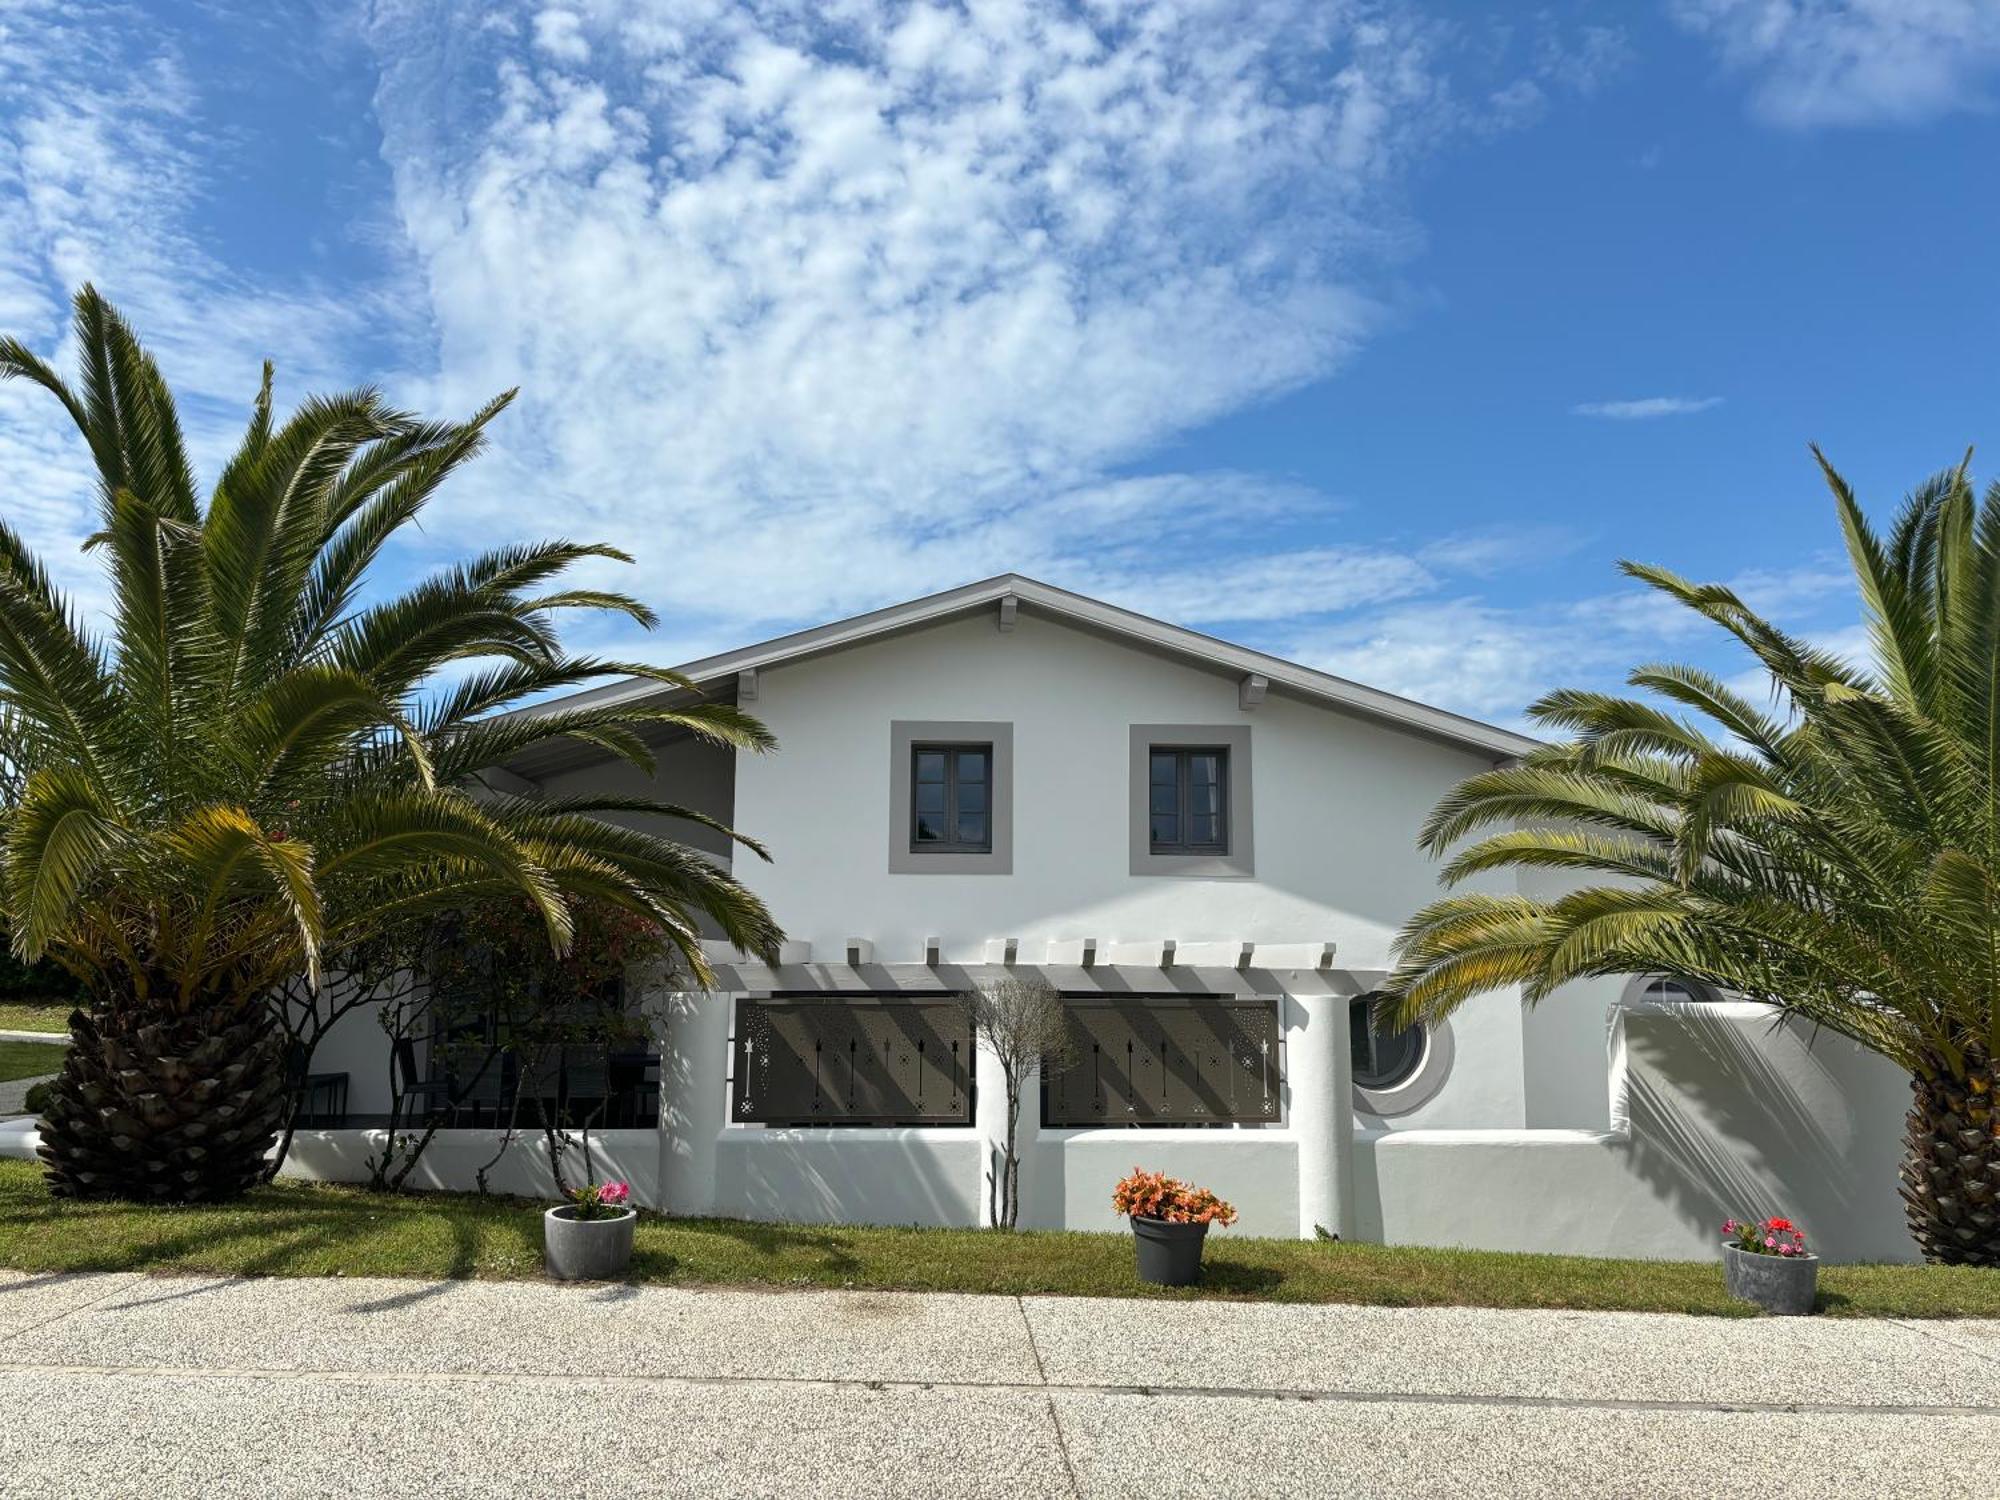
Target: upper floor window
{"x": 1190, "y": 798}
{"x": 951, "y": 799}
{"x": 1187, "y": 799}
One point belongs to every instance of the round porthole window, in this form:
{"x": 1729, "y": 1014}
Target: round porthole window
{"x": 1383, "y": 1059}
{"x": 1396, "y": 1069}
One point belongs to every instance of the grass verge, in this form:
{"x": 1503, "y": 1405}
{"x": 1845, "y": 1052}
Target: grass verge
{"x": 298, "y": 1229}
{"x": 28, "y": 1059}
{"x": 24, "y": 1015}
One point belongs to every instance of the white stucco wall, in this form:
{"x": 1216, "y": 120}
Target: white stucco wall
{"x": 1714, "y": 1113}
{"x": 1337, "y": 802}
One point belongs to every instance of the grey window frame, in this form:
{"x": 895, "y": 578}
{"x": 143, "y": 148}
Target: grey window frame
{"x": 1183, "y": 757}
{"x": 904, "y": 735}
{"x": 1239, "y": 860}
{"x": 951, "y": 750}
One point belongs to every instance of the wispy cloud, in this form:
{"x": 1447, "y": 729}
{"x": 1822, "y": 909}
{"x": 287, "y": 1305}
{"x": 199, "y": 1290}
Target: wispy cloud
{"x": 1492, "y": 659}
{"x": 833, "y": 303}
{"x": 1645, "y": 408}
{"x": 1854, "y": 62}
{"x": 104, "y": 156}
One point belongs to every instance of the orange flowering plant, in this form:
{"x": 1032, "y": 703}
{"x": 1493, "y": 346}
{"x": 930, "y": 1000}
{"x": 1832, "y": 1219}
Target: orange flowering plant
{"x": 1154, "y": 1195}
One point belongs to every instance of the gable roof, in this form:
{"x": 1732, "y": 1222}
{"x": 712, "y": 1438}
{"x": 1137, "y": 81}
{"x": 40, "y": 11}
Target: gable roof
{"x": 1080, "y": 610}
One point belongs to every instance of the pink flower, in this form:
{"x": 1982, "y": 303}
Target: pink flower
{"x": 1729, "y": 1226}
{"x": 614, "y": 1192}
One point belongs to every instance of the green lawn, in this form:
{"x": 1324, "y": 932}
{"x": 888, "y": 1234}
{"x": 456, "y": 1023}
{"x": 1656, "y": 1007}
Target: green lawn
{"x": 302, "y": 1230}
{"x": 24, "y": 1015}
{"x": 28, "y": 1059}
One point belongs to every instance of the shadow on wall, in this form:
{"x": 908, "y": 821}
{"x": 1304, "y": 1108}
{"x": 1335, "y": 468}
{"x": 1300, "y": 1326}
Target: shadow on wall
{"x": 1718, "y": 1112}
{"x": 1733, "y": 1116}
{"x": 904, "y": 1176}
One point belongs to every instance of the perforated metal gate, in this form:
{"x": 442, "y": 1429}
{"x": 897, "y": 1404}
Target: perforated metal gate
{"x": 1159, "y": 1060}
{"x": 852, "y": 1060}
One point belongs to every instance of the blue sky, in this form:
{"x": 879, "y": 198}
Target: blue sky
{"x": 1366, "y": 333}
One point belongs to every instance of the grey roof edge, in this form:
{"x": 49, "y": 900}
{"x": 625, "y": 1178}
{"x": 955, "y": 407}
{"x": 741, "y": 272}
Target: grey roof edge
{"x": 1111, "y": 619}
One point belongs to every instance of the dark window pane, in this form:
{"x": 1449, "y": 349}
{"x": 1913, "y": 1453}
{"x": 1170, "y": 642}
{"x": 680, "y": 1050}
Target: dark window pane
{"x": 1202, "y": 769}
{"x": 1165, "y": 800}
{"x": 1205, "y": 799}
{"x": 930, "y": 828}
{"x": 1166, "y": 768}
{"x": 930, "y": 798}
{"x": 972, "y": 828}
{"x": 972, "y": 798}
{"x": 1383, "y": 1059}
{"x": 930, "y": 765}
{"x": 1202, "y": 829}
{"x": 971, "y": 765}
{"x": 1166, "y": 828}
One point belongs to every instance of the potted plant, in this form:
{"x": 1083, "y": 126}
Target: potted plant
{"x": 1170, "y": 1222}
{"x": 589, "y": 1238}
{"x": 1766, "y": 1262}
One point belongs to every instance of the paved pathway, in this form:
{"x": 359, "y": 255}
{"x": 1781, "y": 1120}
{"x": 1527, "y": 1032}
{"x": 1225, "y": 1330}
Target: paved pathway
{"x": 14, "y": 1094}
{"x": 132, "y": 1385}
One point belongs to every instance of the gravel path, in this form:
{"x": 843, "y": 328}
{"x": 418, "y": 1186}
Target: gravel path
{"x": 133, "y": 1385}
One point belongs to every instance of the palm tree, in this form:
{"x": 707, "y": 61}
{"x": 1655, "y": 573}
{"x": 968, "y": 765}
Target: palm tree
{"x": 1837, "y": 857}
{"x": 254, "y": 766}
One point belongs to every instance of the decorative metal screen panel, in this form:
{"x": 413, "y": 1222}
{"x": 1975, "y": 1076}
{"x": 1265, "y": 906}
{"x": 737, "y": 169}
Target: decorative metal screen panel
{"x": 852, "y": 1060}
{"x": 1160, "y": 1061}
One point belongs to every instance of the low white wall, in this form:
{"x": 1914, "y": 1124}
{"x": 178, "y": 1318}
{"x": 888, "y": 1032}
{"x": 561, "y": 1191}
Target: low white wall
{"x": 1067, "y": 1175}
{"x": 1715, "y": 1112}
{"x": 452, "y": 1161}
{"x": 814, "y": 1176}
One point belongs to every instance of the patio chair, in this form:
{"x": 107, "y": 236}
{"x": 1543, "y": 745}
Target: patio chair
{"x": 414, "y": 1088}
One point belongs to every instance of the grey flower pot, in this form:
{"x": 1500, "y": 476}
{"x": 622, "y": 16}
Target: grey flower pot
{"x": 1169, "y": 1254}
{"x": 587, "y": 1249}
{"x": 1776, "y": 1283}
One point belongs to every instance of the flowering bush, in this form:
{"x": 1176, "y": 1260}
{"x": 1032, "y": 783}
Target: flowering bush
{"x": 1767, "y": 1236}
{"x": 600, "y": 1200}
{"x": 1154, "y": 1195}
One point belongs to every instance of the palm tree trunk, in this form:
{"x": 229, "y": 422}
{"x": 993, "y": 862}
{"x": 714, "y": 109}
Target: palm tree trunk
{"x": 1951, "y": 1162}
{"x": 155, "y": 1106}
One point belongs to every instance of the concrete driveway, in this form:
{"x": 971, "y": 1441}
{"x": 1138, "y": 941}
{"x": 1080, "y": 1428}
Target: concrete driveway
{"x": 142, "y": 1386}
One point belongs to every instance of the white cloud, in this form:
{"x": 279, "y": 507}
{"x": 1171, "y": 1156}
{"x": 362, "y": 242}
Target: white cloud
{"x": 1645, "y": 408}
{"x": 1854, "y": 62}
{"x": 872, "y": 298}
{"x": 102, "y": 157}
{"x": 1491, "y": 660}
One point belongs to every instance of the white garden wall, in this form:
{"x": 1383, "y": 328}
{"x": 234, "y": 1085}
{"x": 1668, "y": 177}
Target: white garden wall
{"x": 1714, "y": 1112}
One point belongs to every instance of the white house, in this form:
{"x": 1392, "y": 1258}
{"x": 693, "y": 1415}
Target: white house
{"x": 1208, "y": 852}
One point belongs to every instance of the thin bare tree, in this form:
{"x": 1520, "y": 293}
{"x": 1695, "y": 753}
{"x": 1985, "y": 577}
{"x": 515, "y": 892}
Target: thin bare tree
{"x": 1020, "y": 1021}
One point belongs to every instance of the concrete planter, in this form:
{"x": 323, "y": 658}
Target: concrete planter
{"x": 1169, "y": 1254}
{"x": 1777, "y": 1283}
{"x": 587, "y": 1249}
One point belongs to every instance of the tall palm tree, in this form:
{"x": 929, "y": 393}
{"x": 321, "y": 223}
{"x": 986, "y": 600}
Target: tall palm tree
{"x": 1837, "y": 858}
{"x": 255, "y": 766}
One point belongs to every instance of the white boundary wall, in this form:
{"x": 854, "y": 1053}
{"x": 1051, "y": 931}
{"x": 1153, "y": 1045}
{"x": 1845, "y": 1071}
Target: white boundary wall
{"x": 1714, "y": 1111}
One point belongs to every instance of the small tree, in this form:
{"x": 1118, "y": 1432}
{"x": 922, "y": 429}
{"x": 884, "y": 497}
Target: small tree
{"x": 1021, "y": 1022}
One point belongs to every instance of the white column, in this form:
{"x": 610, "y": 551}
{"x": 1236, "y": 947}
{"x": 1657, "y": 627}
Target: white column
{"x": 1320, "y": 1067}
{"x": 989, "y": 1116}
{"x": 693, "y": 1033}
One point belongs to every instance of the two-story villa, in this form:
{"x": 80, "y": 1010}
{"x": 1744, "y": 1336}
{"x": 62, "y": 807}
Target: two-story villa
{"x": 1207, "y": 851}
